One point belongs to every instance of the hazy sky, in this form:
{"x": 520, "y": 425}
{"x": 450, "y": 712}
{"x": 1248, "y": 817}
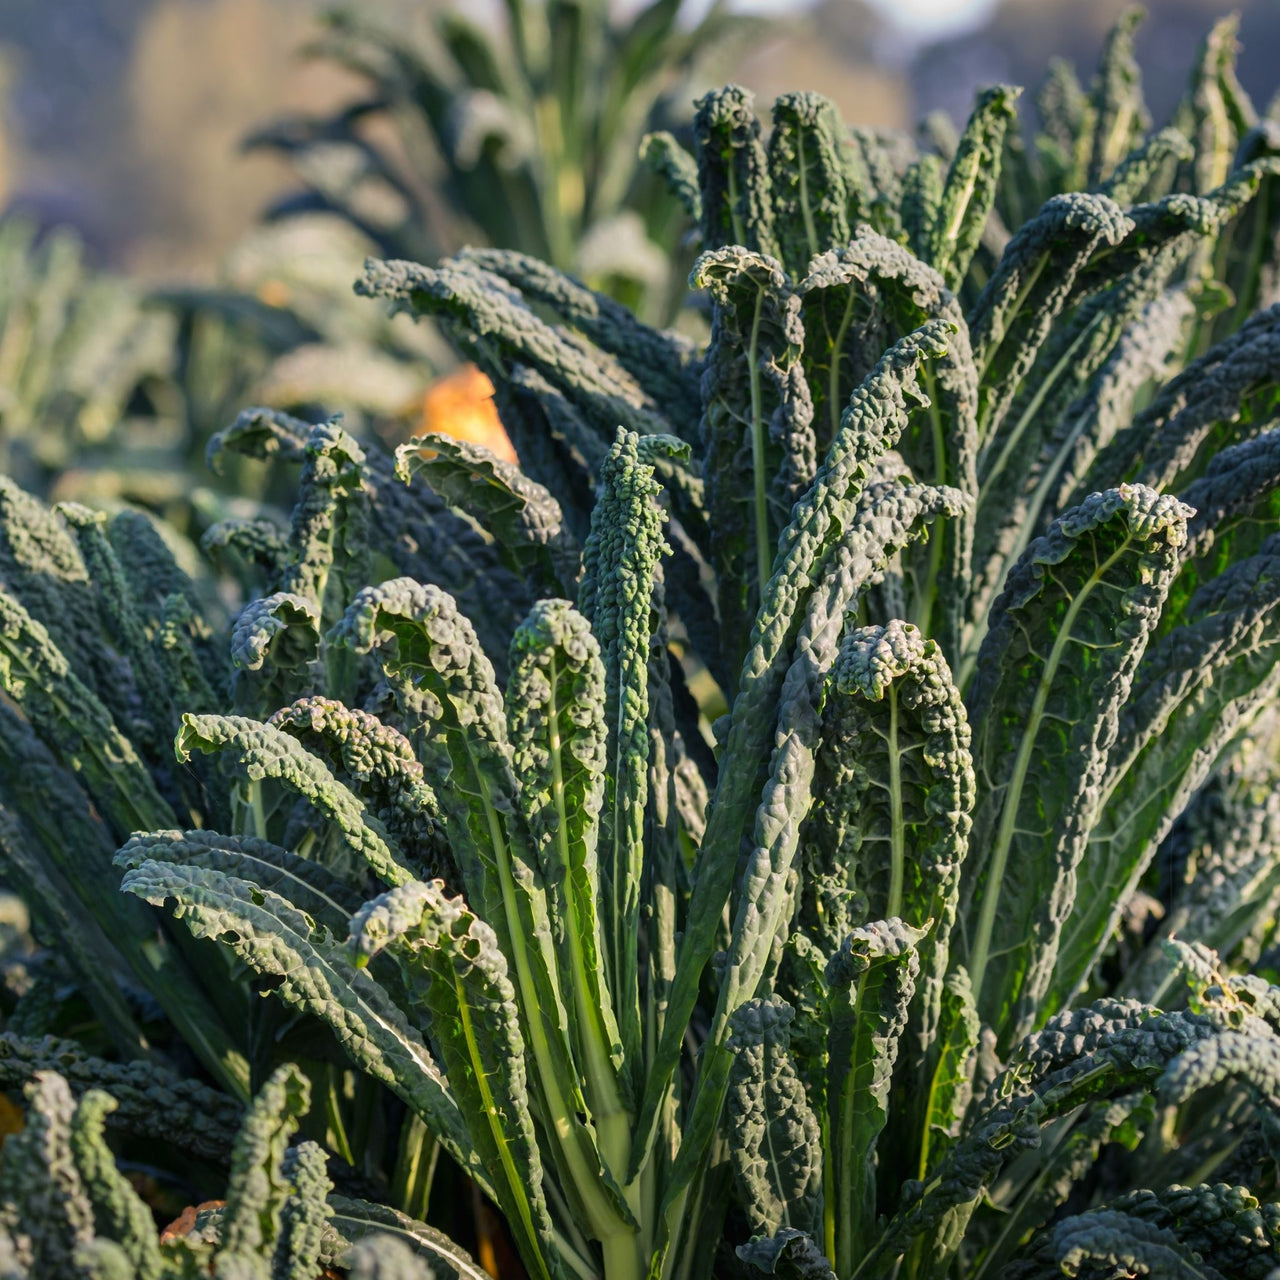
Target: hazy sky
{"x": 932, "y": 18}
{"x": 923, "y": 19}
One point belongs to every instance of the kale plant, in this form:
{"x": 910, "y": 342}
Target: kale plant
{"x": 107, "y": 643}
{"x": 66, "y": 1210}
{"x": 968, "y": 523}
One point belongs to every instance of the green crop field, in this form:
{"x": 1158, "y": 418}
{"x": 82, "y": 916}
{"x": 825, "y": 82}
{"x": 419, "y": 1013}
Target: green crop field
{"x": 781, "y": 778}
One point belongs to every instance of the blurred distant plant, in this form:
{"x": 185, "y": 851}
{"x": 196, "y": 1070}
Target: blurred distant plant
{"x": 531, "y": 132}
{"x": 80, "y": 354}
{"x": 281, "y": 328}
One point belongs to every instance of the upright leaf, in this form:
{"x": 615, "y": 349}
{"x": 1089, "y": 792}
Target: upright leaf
{"x": 119, "y": 1212}
{"x": 874, "y": 275}
{"x": 895, "y": 791}
{"x": 774, "y": 1138}
{"x": 44, "y": 1208}
{"x": 765, "y": 892}
{"x": 970, "y": 188}
{"x": 256, "y": 1187}
{"x": 807, "y": 178}
{"x": 1067, "y": 120}
{"x": 559, "y": 746}
{"x": 1209, "y": 114}
{"x": 1118, "y": 108}
{"x": 875, "y": 418}
{"x": 1052, "y": 677}
{"x": 305, "y": 1214}
{"x": 872, "y": 980}
{"x": 733, "y": 172}
{"x": 430, "y": 654}
{"x": 950, "y": 1068}
{"x": 328, "y": 540}
{"x": 80, "y": 730}
{"x": 757, "y": 435}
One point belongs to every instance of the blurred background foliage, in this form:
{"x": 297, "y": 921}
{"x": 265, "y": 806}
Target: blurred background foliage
{"x": 126, "y": 117}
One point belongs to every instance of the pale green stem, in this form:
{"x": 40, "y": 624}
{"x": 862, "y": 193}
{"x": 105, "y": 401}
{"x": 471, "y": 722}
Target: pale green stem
{"x": 764, "y": 554}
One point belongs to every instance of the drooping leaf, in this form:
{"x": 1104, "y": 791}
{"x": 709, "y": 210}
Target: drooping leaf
{"x": 522, "y": 517}
{"x": 1103, "y": 1051}
{"x": 1015, "y": 312}
{"x": 1146, "y": 353}
{"x": 151, "y": 1101}
{"x": 307, "y": 884}
{"x": 456, "y": 974}
{"x": 275, "y": 649}
{"x": 312, "y": 972}
{"x": 354, "y": 1221}
{"x": 663, "y": 362}
{"x": 379, "y": 765}
{"x": 790, "y": 1255}
{"x": 260, "y": 751}
{"x": 1194, "y": 690}
{"x": 1136, "y": 173}
{"x": 666, "y": 157}
{"x": 1229, "y": 393}
{"x": 1106, "y": 1238}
